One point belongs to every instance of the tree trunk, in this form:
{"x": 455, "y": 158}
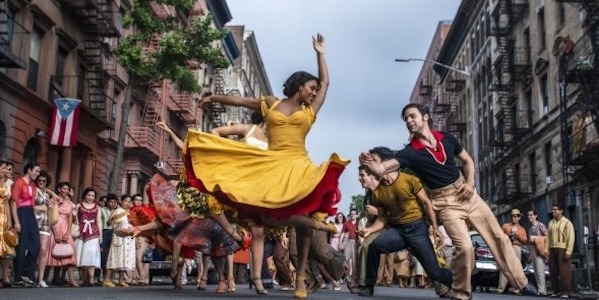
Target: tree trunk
{"x": 120, "y": 147}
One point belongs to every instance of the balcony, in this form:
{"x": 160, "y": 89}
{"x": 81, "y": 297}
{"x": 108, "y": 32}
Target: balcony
{"x": 94, "y": 99}
{"x": 172, "y": 167}
{"x": 13, "y": 41}
{"x": 425, "y": 90}
{"x": 455, "y": 85}
{"x": 584, "y": 146}
{"x": 163, "y": 11}
{"x": 144, "y": 139}
{"x": 95, "y": 16}
{"x": 581, "y": 60}
{"x": 514, "y": 189}
{"x": 183, "y": 105}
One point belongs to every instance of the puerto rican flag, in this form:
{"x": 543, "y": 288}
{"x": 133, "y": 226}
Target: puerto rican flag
{"x": 65, "y": 122}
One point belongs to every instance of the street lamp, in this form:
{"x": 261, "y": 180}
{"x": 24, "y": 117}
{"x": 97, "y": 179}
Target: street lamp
{"x": 467, "y": 73}
{"x": 463, "y": 72}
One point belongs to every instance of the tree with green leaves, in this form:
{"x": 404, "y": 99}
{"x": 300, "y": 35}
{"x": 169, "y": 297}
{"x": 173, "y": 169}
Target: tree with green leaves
{"x": 177, "y": 46}
{"x": 357, "y": 203}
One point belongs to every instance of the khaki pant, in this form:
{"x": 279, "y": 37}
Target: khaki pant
{"x": 538, "y": 263}
{"x": 386, "y": 264}
{"x": 502, "y": 279}
{"x": 361, "y": 260}
{"x": 455, "y": 215}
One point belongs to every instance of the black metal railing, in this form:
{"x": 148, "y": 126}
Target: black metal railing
{"x": 13, "y": 41}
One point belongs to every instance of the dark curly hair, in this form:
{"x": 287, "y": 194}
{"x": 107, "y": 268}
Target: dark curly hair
{"x": 423, "y": 109}
{"x": 45, "y": 174}
{"x": 256, "y": 117}
{"x": 383, "y": 152}
{"x": 297, "y": 79}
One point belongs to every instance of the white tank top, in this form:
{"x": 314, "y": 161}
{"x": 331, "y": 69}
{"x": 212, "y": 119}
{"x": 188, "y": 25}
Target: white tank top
{"x": 252, "y": 141}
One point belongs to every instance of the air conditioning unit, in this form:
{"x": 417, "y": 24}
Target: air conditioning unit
{"x": 159, "y": 164}
{"x": 545, "y": 110}
{"x": 549, "y": 180}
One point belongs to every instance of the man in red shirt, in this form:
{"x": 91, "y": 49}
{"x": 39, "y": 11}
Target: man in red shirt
{"x": 349, "y": 235}
{"x": 22, "y": 197}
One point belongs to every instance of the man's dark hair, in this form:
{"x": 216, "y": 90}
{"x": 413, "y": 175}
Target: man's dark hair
{"x": 424, "y": 110}
{"x": 559, "y": 206}
{"x": 383, "y": 152}
{"x": 112, "y": 196}
{"x": 30, "y": 166}
{"x": 125, "y": 196}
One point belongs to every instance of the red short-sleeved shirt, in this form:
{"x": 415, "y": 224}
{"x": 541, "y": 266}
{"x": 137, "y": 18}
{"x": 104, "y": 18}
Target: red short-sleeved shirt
{"x": 351, "y": 229}
{"x": 23, "y": 193}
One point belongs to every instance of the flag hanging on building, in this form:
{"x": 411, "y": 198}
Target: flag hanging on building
{"x": 65, "y": 122}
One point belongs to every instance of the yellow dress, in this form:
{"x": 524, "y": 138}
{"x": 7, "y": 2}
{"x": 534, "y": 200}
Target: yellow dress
{"x": 280, "y": 181}
{"x": 5, "y": 250}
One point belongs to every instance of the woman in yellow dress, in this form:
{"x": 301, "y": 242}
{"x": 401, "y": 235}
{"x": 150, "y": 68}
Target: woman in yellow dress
{"x": 6, "y": 252}
{"x": 280, "y": 185}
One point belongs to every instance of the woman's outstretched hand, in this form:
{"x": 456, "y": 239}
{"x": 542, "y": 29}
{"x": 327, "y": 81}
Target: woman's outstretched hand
{"x": 162, "y": 125}
{"x": 318, "y": 43}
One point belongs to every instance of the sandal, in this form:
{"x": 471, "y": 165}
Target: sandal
{"x": 231, "y": 286}
{"x": 300, "y": 293}
{"x": 222, "y": 287}
{"x": 259, "y": 291}
{"x": 202, "y": 284}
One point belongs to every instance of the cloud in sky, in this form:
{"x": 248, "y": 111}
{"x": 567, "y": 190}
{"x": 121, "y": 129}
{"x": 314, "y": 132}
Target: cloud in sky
{"x": 368, "y": 89}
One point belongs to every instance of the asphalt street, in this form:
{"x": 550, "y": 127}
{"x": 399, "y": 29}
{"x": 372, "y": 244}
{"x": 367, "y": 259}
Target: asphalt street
{"x": 164, "y": 292}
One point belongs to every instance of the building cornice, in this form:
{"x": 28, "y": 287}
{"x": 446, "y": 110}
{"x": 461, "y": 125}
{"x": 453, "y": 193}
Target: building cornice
{"x": 466, "y": 15}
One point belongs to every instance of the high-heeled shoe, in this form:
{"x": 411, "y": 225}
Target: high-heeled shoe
{"x": 222, "y": 287}
{"x": 259, "y": 291}
{"x": 322, "y": 226}
{"x": 231, "y": 288}
{"x": 202, "y": 284}
{"x": 300, "y": 293}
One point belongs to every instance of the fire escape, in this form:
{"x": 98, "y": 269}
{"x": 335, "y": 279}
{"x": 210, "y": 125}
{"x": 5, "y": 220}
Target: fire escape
{"x": 13, "y": 38}
{"x": 511, "y": 66}
{"x": 579, "y": 66}
{"x": 97, "y": 21}
{"x": 456, "y": 124}
{"x": 216, "y": 110}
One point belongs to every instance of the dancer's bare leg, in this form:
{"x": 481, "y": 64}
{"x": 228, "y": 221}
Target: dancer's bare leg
{"x": 42, "y": 259}
{"x": 222, "y": 220}
{"x": 204, "y": 277}
{"x": 177, "y": 266}
{"x": 304, "y": 236}
{"x": 317, "y": 222}
{"x": 220, "y": 271}
{"x": 257, "y": 251}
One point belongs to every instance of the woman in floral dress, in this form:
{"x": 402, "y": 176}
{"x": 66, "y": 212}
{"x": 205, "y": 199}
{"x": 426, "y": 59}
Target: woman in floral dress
{"x": 90, "y": 226}
{"x": 122, "y": 249}
{"x": 61, "y": 234}
{"x": 6, "y": 252}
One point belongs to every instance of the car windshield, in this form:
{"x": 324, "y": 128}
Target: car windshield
{"x": 478, "y": 240}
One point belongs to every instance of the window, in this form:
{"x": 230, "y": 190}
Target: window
{"x": 529, "y": 111}
{"x": 32, "y": 150}
{"x": 527, "y": 45}
{"x": 61, "y": 59}
{"x": 548, "y": 159}
{"x": 544, "y": 91}
{"x": 113, "y": 107}
{"x": 561, "y": 13}
{"x": 533, "y": 171}
{"x": 34, "y": 58}
{"x": 542, "y": 29}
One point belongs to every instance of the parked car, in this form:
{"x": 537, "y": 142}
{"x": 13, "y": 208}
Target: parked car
{"x": 486, "y": 272}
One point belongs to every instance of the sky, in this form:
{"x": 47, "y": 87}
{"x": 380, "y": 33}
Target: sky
{"x": 367, "y": 88}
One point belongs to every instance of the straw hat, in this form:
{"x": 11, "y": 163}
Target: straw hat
{"x": 516, "y": 211}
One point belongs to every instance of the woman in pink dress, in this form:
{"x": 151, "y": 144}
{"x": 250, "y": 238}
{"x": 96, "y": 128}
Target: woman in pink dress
{"x": 339, "y": 221}
{"x": 90, "y": 226}
{"x": 60, "y": 233}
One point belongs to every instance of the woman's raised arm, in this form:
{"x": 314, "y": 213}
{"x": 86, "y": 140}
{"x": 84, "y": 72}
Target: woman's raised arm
{"x": 323, "y": 73}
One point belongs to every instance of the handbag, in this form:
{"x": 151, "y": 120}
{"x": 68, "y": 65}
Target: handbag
{"x": 75, "y": 231}
{"x": 11, "y": 237}
{"x": 62, "y": 250}
{"x": 540, "y": 245}
{"x": 52, "y": 215}
{"x": 148, "y": 256}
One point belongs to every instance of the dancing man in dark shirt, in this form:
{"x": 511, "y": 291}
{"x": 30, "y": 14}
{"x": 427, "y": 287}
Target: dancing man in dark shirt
{"x": 432, "y": 155}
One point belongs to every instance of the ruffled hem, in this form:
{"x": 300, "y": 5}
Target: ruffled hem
{"x": 201, "y": 234}
{"x": 323, "y": 198}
